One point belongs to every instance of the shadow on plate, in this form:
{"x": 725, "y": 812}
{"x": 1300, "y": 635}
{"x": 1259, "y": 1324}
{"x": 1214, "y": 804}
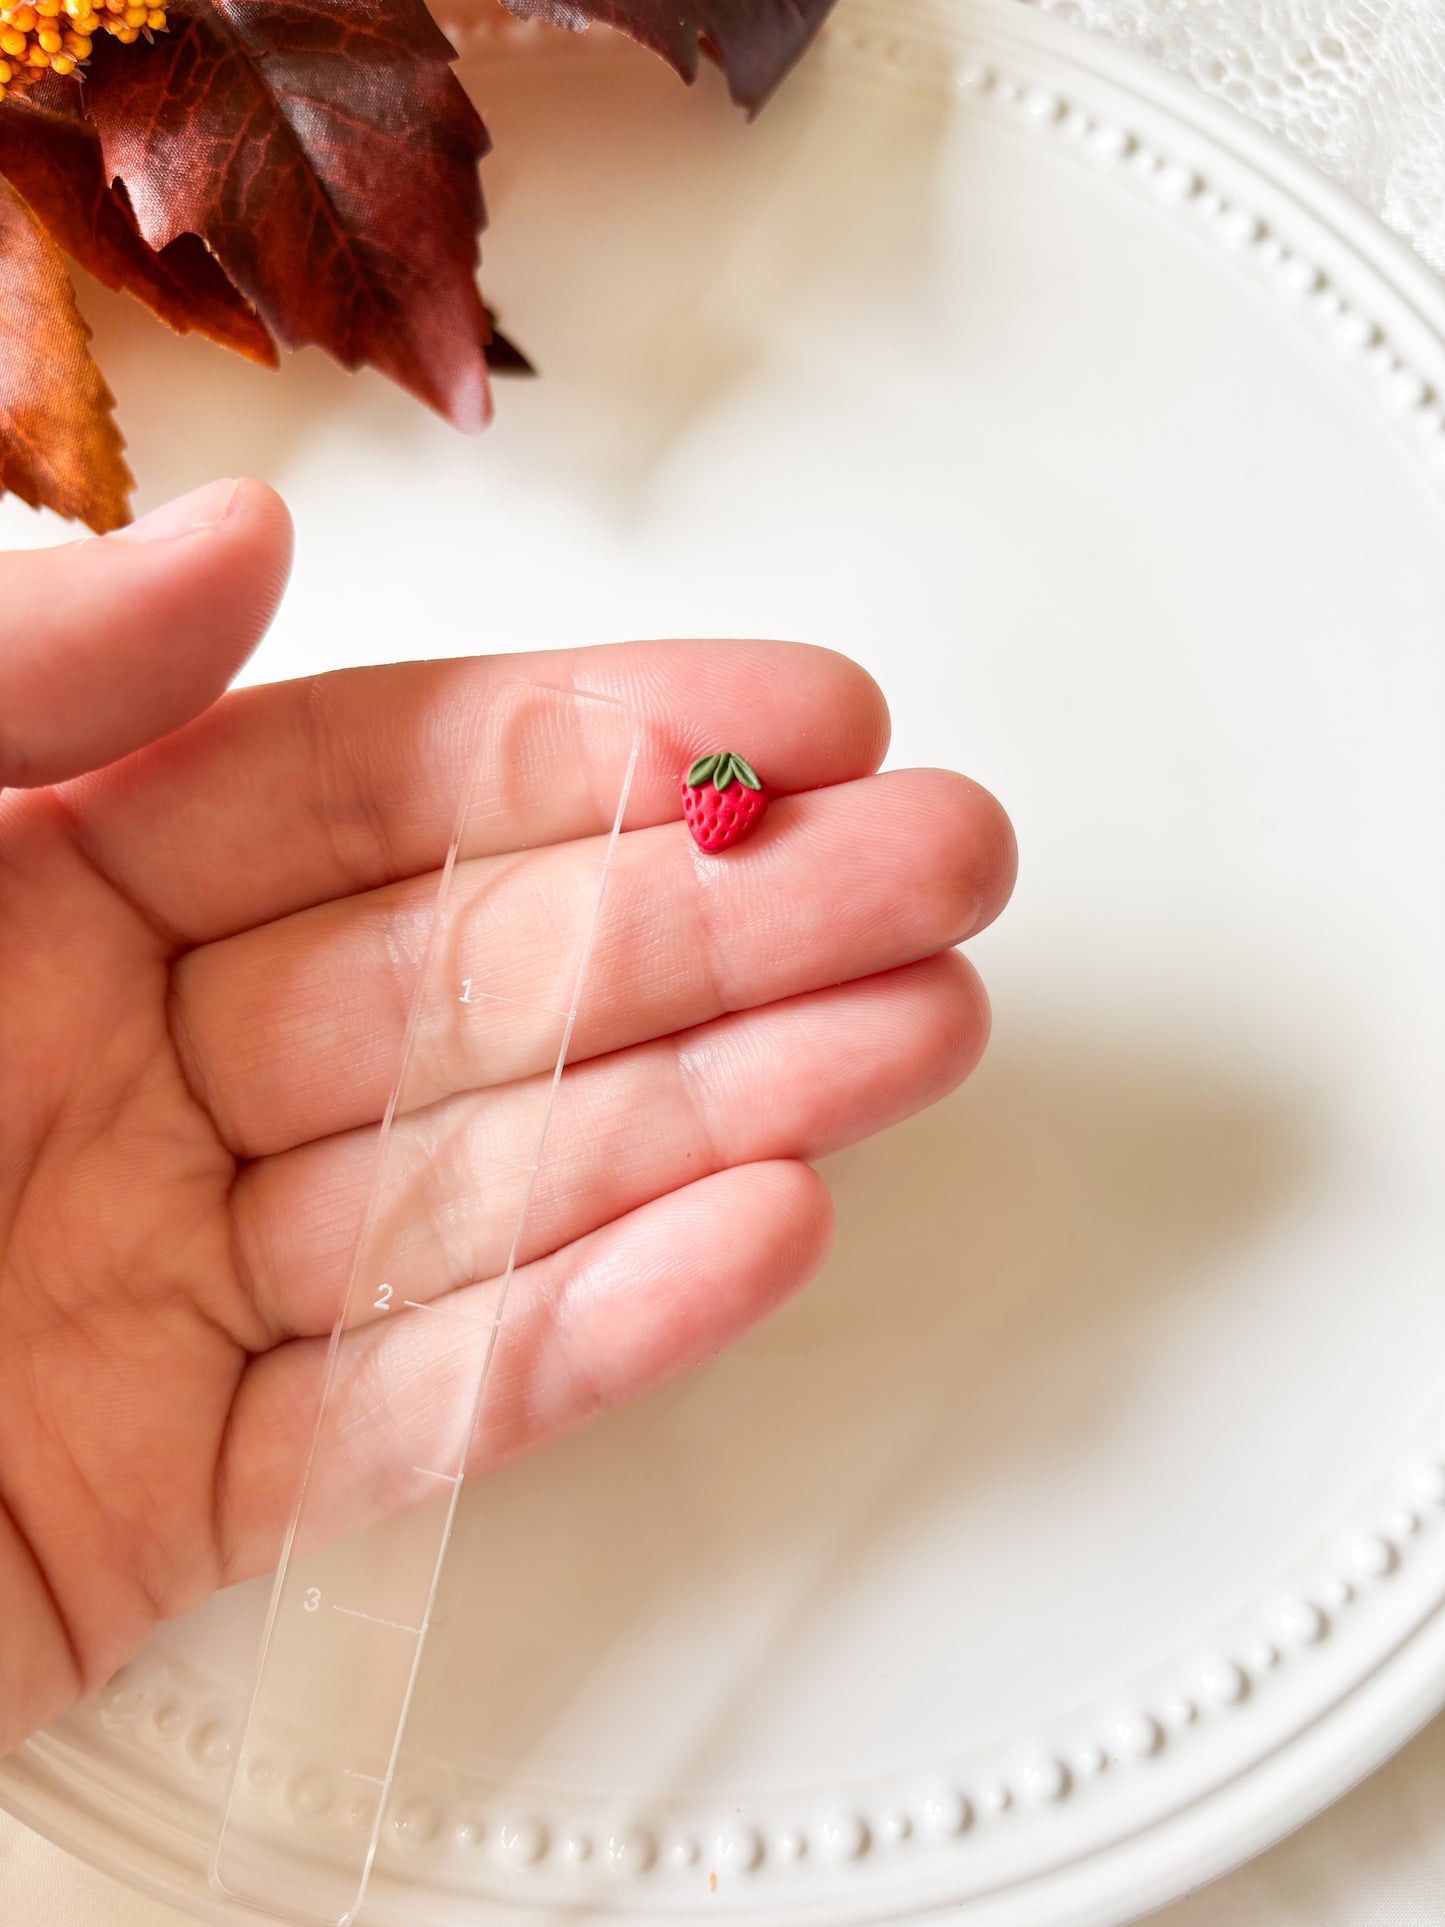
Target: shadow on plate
{"x": 1003, "y": 1266}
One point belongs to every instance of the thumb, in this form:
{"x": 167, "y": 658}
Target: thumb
{"x": 110, "y": 643}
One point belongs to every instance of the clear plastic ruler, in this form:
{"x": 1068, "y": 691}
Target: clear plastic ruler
{"x": 491, "y": 1019}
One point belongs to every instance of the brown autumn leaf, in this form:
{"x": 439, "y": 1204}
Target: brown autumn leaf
{"x": 327, "y": 154}
{"x": 59, "y": 447}
{"x": 52, "y": 156}
{"x": 504, "y": 357}
{"x": 314, "y": 157}
{"x": 755, "y": 42}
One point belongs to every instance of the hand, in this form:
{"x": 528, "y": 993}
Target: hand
{"x": 187, "y": 1126}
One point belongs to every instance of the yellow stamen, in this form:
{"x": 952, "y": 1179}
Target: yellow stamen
{"x": 58, "y": 35}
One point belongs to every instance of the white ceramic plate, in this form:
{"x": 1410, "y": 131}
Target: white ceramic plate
{"x": 1084, "y": 1527}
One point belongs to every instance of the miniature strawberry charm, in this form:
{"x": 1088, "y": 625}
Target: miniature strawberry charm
{"x": 722, "y": 799}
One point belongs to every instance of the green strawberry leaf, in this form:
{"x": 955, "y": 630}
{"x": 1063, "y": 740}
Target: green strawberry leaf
{"x": 702, "y": 769}
{"x": 744, "y": 773}
{"x": 724, "y": 773}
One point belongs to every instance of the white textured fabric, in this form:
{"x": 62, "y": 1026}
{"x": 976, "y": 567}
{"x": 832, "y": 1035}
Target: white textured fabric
{"x": 1375, "y": 1860}
{"x": 1358, "y": 87}
{"x": 42, "y": 1887}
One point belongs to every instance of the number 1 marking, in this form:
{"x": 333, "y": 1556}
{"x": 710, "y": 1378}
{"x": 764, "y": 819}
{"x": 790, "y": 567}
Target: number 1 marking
{"x": 466, "y": 996}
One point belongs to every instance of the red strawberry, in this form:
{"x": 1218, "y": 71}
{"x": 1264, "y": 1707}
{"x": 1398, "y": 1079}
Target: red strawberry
{"x": 721, "y": 799}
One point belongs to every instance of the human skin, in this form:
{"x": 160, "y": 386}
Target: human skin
{"x": 185, "y": 1143}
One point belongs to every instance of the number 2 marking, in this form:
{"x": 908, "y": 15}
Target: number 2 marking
{"x": 383, "y": 1299}
{"x": 312, "y": 1600}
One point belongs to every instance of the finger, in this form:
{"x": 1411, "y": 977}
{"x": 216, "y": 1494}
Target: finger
{"x": 586, "y": 1329}
{"x": 300, "y": 792}
{"x": 295, "y": 1031}
{"x": 109, "y": 644}
{"x": 794, "y": 1080}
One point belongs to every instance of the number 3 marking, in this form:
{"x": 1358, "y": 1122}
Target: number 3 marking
{"x": 312, "y": 1601}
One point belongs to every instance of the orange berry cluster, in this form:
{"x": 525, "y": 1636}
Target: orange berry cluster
{"x": 56, "y": 36}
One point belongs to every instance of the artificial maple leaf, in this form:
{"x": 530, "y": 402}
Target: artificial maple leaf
{"x": 504, "y": 357}
{"x": 327, "y": 154}
{"x": 59, "y": 446}
{"x": 755, "y": 42}
{"x": 52, "y": 156}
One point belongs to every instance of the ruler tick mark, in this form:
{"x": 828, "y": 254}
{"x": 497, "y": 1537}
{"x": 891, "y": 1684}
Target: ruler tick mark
{"x": 450, "y": 1311}
{"x": 376, "y": 1619}
{"x": 514, "y": 1003}
{"x": 448, "y": 1478}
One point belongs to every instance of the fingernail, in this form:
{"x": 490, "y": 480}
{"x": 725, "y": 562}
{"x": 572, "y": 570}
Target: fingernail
{"x": 203, "y": 508}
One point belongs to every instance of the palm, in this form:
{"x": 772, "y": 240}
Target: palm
{"x": 121, "y": 1321}
{"x": 190, "y": 1128}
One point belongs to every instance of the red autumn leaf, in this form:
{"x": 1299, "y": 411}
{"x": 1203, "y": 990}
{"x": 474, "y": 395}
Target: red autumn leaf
{"x": 59, "y": 447}
{"x": 52, "y": 157}
{"x": 755, "y": 42}
{"x": 326, "y": 153}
